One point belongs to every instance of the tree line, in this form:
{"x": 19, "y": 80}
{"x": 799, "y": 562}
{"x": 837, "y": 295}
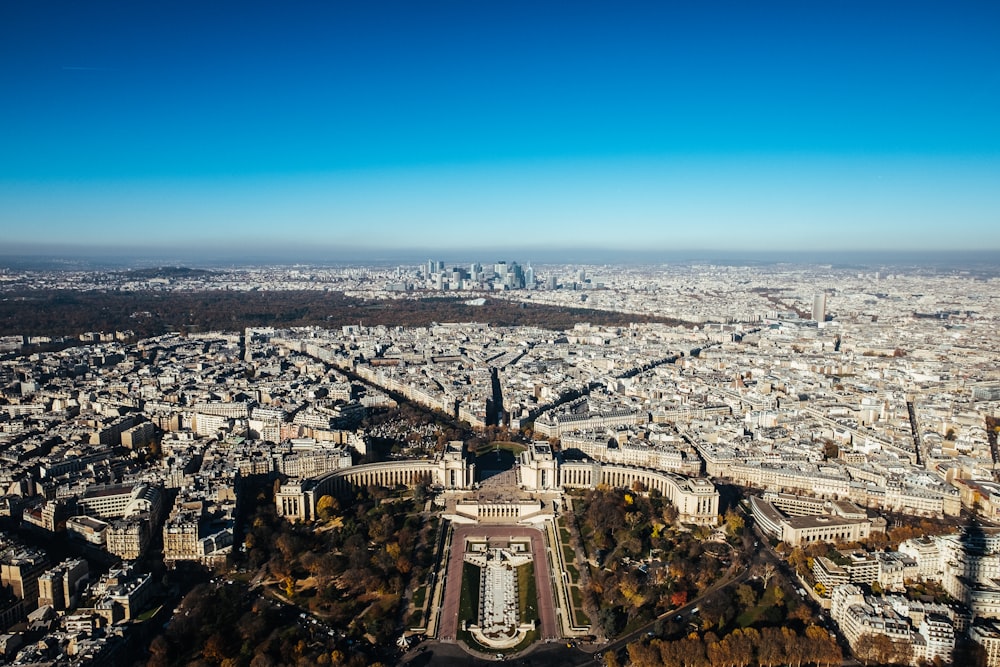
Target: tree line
{"x": 68, "y": 312}
{"x": 767, "y": 647}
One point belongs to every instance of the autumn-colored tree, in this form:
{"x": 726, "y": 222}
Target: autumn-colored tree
{"x": 215, "y": 648}
{"x": 826, "y": 650}
{"x": 879, "y": 649}
{"x": 800, "y": 612}
{"x": 734, "y": 522}
{"x": 159, "y": 652}
{"x": 631, "y": 590}
{"x": 771, "y": 649}
{"x": 741, "y": 646}
{"x": 679, "y": 598}
{"x": 641, "y": 654}
{"x": 327, "y": 507}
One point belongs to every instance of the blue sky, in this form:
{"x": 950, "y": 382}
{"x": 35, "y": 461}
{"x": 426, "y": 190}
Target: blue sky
{"x": 465, "y": 124}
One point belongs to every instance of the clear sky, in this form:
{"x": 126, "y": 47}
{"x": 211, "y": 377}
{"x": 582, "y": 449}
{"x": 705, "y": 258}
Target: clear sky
{"x": 515, "y": 123}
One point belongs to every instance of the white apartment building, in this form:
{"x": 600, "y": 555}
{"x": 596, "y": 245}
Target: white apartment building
{"x": 926, "y": 551}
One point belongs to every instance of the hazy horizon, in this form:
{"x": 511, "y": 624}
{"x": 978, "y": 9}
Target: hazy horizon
{"x": 50, "y": 257}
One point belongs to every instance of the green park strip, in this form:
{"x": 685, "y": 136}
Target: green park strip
{"x": 579, "y": 617}
{"x": 527, "y": 593}
{"x": 419, "y": 596}
{"x": 468, "y": 606}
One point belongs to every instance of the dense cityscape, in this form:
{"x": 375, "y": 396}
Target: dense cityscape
{"x": 768, "y": 464}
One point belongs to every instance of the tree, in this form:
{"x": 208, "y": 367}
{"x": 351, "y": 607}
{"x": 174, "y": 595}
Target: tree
{"x": 679, "y": 598}
{"x": 798, "y": 560}
{"x": 641, "y": 654}
{"x": 734, "y": 522}
{"x": 327, "y": 507}
{"x": 611, "y": 620}
{"x": 796, "y": 647}
{"x": 159, "y": 652}
{"x": 746, "y": 595}
{"x": 880, "y": 649}
{"x": 669, "y": 514}
{"x": 742, "y": 644}
{"x": 771, "y": 650}
{"x": 800, "y": 612}
{"x": 825, "y": 650}
{"x": 767, "y": 572}
{"x": 830, "y": 449}
{"x": 719, "y": 654}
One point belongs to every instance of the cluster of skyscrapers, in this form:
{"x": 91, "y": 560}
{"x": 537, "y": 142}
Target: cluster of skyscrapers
{"x": 500, "y": 276}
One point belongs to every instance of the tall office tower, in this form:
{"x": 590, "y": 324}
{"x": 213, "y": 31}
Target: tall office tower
{"x": 819, "y": 307}
{"x": 515, "y": 276}
{"x": 529, "y": 277}
{"x": 430, "y": 268}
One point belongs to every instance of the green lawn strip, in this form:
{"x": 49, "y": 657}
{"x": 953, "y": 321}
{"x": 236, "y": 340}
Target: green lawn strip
{"x": 527, "y": 593}
{"x": 569, "y": 555}
{"x": 748, "y": 617}
{"x": 419, "y": 596}
{"x": 579, "y": 617}
{"x": 148, "y": 614}
{"x": 468, "y": 606}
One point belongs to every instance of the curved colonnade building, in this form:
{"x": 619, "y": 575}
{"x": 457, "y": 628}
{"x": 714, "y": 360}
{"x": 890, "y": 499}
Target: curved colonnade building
{"x": 538, "y": 471}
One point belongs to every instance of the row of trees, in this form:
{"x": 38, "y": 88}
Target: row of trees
{"x": 767, "y": 647}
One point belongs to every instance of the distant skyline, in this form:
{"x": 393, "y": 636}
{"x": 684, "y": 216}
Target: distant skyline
{"x": 382, "y": 129}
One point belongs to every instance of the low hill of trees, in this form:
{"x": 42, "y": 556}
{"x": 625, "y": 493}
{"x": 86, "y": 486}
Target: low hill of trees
{"x": 68, "y": 313}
